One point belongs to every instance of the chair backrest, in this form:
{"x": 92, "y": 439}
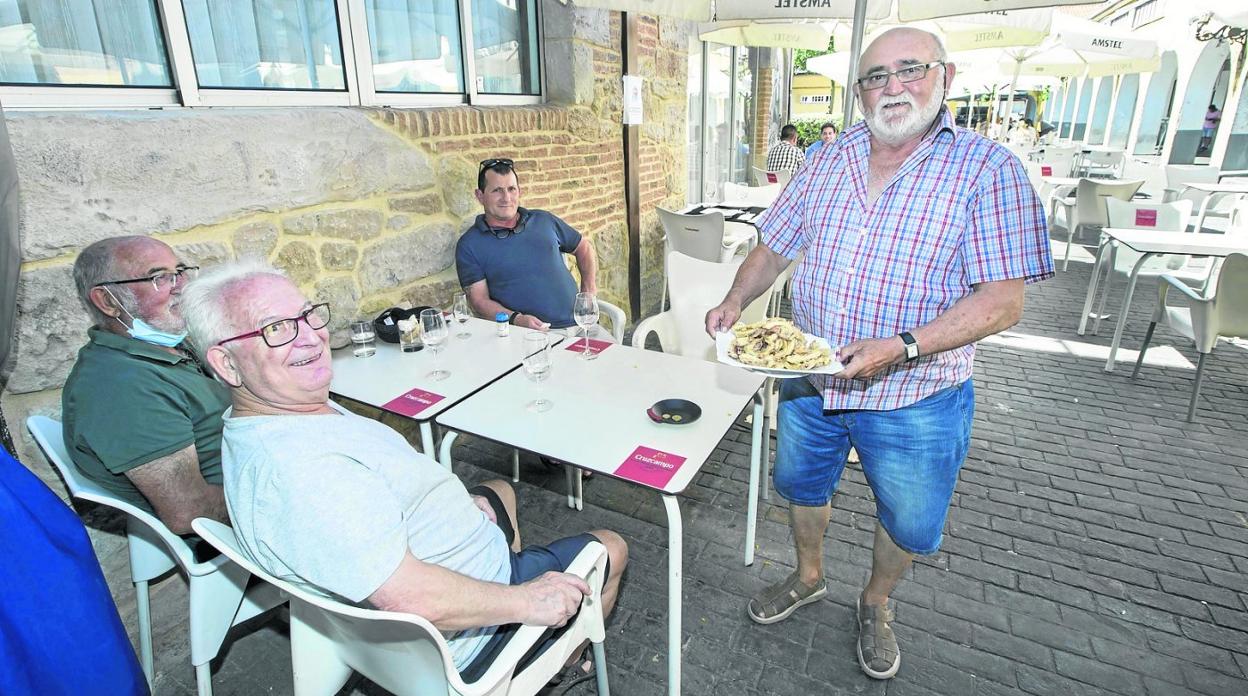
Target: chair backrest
{"x": 1231, "y": 300}
{"x": 1058, "y": 160}
{"x": 1172, "y": 217}
{"x": 152, "y": 545}
{"x": 1238, "y": 224}
{"x": 696, "y": 286}
{"x": 751, "y": 195}
{"x": 1090, "y": 198}
{"x": 1178, "y": 175}
{"x": 699, "y": 236}
{"x": 762, "y": 177}
{"x": 1104, "y": 158}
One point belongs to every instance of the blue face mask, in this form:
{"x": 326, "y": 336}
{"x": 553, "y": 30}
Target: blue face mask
{"x": 147, "y": 333}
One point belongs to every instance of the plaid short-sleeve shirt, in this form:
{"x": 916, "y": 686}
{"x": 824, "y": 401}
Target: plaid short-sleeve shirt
{"x": 958, "y": 212}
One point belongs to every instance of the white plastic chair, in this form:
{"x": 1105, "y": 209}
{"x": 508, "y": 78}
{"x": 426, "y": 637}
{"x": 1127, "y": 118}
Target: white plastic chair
{"x": 1087, "y": 210}
{"x": 218, "y": 588}
{"x": 1224, "y": 313}
{"x": 762, "y": 177}
{"x": 700, "y": 236}
{"x": 406, "y": 654}
{"x": 1059, "y": 160}
{"x": 1178, "y": 176}
{"x": 751, "y": 195}
{"x": 1099, "y": 163}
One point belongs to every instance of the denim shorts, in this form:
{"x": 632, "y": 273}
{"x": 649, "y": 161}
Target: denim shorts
{"x": 911, "y": 456}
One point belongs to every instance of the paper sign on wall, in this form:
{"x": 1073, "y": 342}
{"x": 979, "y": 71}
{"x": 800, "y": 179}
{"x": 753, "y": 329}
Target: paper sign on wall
{"x": 632, "y": 100}
{"x": 1146, "y": 218}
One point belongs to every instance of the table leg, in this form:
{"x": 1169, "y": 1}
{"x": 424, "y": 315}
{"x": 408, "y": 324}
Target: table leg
{"x": 1101, "y": 255}
{"x": 769, "y": 402}
{"x": 444, "y": 453}
{"x": 1110, "y": 264}
{"x": 568, "y": 470}
{"x": 751, "y": 512}
{"x": 675, "y": 591}
{"x": 1126, "y": 307}
{"x": 515, "y": 465}
{"x": 426, "y": 438}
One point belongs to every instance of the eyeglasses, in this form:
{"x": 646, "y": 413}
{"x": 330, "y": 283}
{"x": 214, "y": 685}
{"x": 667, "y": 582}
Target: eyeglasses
{"x": 159, "y": 281}
{"x": 910, "y": 73}
{"x": 499, "y": 162}
{"x": 283, "y": 331}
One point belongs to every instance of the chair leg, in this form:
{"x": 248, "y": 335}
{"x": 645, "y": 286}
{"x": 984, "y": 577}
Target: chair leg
{"x": 600, "y": 669}
{"x": 144, "y": 610}
{"x": 1139, "y": 359}
{"x": 1200, "y": 372}
{"x": 203, "y": 679}
{"x": 515, "y": 466}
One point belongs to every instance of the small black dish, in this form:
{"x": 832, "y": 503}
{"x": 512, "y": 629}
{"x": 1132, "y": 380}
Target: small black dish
{"x": 674, "y": 412}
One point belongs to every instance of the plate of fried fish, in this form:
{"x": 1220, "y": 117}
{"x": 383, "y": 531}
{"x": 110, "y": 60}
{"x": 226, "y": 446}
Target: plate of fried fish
{"x": 776, "y": 347}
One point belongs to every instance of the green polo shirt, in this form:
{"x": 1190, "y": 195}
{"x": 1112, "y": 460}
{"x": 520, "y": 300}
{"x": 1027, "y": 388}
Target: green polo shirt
{"x": 127, "y": 403}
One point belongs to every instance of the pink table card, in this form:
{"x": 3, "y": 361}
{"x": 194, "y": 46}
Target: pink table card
{"x": 650, "y": 467}
{"x": 1046, "y": 171}
{"x": 596, "y": 345}
{"x": 1146, "y": 218}
{"x": 412, "y": 403}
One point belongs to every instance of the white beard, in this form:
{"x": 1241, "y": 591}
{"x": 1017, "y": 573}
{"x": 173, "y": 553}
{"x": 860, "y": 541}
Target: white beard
{"x": 915, "y": 122}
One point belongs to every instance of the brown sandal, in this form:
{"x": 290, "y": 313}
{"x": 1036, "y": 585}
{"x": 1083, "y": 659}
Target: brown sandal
{"x": 778, "y": 602}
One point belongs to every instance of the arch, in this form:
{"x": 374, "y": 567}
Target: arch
{"x": 1158, "y": 101}
{"x": 1201, "y": 86}
{"x": 1124, "y": 109}
{"x": 1237, "y": 147}
{"x": 1085, "y": 106}
{"x": 1068, "y": 107}
{"x": 1100, "y": 110}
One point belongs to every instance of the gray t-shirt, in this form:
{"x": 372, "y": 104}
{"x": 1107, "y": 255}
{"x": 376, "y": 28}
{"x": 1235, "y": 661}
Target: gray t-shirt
{"x": 330, "y": 503}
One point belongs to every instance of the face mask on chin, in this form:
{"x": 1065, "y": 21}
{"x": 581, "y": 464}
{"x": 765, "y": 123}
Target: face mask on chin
{"x": 143, "y": 331}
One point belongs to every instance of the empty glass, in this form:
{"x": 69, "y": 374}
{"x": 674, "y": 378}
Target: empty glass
{"x": 409, "y": 335}
{"x": 362, "y": 337}
{"x": 585, "y": 312}
{"x": 434, "y": 333}
{"x": 537, "y": 367}
{"x": 460, "y": 309}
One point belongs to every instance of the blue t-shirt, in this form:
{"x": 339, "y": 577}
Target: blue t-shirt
{"x": 812, "y": 148}
{"x": 525, "y": 270}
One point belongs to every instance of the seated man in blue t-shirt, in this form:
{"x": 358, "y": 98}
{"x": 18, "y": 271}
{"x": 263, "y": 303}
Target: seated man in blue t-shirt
{"x": 511, "y": 259}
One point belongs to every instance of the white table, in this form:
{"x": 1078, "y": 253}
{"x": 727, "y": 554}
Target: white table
{"x": 599, "y": 420}
{"x": 735, "y": 232}
{"x": 1149, "y": 243}
{"x": 473, "y": 363}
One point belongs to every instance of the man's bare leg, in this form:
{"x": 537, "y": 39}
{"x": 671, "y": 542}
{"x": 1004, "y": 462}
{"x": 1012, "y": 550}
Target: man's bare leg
{"x": 508, "y": 495}
{"x": 809, "y": 525}
{"x": 888, "y": 563}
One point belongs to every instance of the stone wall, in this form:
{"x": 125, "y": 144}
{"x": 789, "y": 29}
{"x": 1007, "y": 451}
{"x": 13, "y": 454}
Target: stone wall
{"x": 362, "y": 207}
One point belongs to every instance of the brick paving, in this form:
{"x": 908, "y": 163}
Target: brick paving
{"x": 1097, "y": 544}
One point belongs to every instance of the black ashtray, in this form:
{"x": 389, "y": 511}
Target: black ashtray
{"x": 674, "y": 412}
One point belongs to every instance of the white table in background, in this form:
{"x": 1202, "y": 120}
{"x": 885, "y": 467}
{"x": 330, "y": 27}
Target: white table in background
{"x": 1149, "y": 243}
{"x": 473, "y": 362}
{"x": 735, "y": 231}
{"x": 599, "y": 419}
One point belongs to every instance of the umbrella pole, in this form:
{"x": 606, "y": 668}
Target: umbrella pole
{"x": 855, "y": 50}
{"x": 1009, "y": 109}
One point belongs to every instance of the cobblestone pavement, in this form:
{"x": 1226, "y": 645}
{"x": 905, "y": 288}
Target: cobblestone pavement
{"x": 1097, "y": 544}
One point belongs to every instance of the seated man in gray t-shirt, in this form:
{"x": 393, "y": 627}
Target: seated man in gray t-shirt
{"x": 344, "y": 506}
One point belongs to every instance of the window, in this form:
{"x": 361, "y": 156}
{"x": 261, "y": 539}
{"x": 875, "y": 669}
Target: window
{"x": 1146, "y": 12}
{"x": 1119, "y": 20}
{"x": 101, "y": 53}
{"x": 82, "y": 42}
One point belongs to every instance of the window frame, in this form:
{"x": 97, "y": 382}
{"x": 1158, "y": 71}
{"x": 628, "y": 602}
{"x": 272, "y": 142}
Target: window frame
{"x": 356, "y": 63}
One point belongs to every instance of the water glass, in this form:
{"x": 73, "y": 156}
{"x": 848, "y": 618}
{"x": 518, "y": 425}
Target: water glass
{"x": 409, "y": 335}
{"x": 434, "y": 333}
{"x": 585, "y": 312}
{"x": 362, "y": 339}
{"x": 537, "y": 367}
{"x": 460, "y": 309}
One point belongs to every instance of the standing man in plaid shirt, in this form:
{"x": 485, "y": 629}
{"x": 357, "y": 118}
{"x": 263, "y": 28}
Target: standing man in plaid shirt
{"x": 785, "y": 156}
{"x": 919, "y": 237}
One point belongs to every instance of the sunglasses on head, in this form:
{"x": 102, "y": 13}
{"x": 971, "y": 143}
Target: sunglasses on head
{"x": 498, "y": 162}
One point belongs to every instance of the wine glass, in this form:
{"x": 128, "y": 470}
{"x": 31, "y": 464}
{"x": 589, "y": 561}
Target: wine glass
{"x": 460, "y": 309}
{"x": 585, "y": 311}
{"x": 537, "y": 367}
{"x": 434, "y": 332}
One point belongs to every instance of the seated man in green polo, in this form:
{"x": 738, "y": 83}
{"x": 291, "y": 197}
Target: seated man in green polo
{"x": 142, "y": 418}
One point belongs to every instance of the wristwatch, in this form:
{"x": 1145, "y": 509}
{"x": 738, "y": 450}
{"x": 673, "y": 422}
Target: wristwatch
{"x": 912, "y": 346}
{"x": 512, "y": 319}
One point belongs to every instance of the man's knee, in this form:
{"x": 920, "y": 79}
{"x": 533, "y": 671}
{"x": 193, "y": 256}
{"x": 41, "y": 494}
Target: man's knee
{"x": 505, "y": 492}
{"x": 617, "y": 549}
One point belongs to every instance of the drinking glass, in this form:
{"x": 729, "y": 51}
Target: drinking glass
{"x": 460, "y": 309}
{"x": 362, "y": 336}
{"x": 434, "y": 333}
{"x": 409, "y": 336}
{"x": 537, "y": 367}
{"x": 585, "y": 311}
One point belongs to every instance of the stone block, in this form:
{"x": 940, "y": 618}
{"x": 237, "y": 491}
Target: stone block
{"x": 397, "y": 261}
{"x": 570, "y": 70}
{"x": 298, "y": 259}
{"x": 255, "y": 240}
{"x": 459, "y": 179}
{"x": 51, "y": 327}
{"x": 344, "y": 306}
{"x": 91, "y": 175}
{"x": 435, "y": 291}
{"x": 339, "y": 256}
{"x": 202, "y": 254}
{"x": 356, "y": 224}
{"x": 398, "y": 222}
{"x": 427, "y": 203}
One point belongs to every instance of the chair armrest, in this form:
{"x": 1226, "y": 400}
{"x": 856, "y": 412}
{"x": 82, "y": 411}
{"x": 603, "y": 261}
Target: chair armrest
{"x": 616, "y": 315}
{"x": 1187, "y": 290}
{"x": 1232, "y": 173}
{"x": 659, "y": 325}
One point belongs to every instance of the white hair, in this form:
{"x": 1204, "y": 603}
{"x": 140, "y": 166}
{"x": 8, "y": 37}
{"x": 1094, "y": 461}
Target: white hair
{"x": 205, "y": 304}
